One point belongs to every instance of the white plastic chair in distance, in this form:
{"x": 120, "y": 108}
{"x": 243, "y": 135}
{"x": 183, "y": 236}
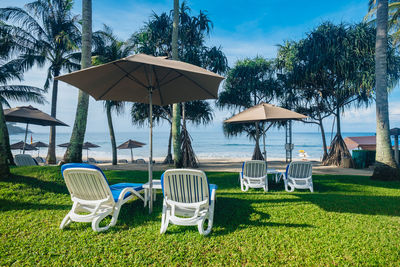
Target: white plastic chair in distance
{"x": 188, "y": 199}
{"x": 93, "y": 199}
{"x": 299, "y": 176}
{"x": 24, "y": 160}
{"x": 254, "y": 175}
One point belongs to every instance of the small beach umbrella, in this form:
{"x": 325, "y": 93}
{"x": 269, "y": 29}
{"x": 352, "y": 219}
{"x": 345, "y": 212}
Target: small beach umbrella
{"x": 86, "y": 145}
{"x": 265, "y": 112}
{"x": 396, "y": 132}
{"x": 30, "y": 115}
{"x": 146, "y": 79}
{"x": 130, "y": 144}
{"x": 39, "y": 145}
{"x": 21, "y": 145}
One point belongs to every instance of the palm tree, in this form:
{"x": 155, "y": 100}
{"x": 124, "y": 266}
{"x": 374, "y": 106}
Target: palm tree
{"x": 385, "y": 166}
{"x": 11, "y": 69}
{"x": 74, "y": 151}
{"x": 109, "y": 48}
{"x": 51, "y": 35}
{"x": 176, "y": 112}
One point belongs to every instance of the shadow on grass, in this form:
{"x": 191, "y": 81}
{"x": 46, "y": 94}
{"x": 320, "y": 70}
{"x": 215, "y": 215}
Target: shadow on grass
{"x": 233, "y": 214}
{"x": 358, "y": 204}
{"x": 8, "y": 205}
{"x": 34, "y": 182}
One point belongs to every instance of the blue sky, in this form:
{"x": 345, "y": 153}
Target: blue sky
{"x": 242, "y": 28}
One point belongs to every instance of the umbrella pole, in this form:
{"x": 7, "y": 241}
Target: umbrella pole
{"x": 151, "y": 152}
{"x": 131, "y": 156}
{"x": 87, "y": 155}
{"x": 26, "y": 133}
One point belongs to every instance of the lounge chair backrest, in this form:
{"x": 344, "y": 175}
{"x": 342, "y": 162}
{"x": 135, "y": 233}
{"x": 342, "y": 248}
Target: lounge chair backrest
{"x": 24, "y": 160}
{"x": 185, "y": 185}
{"x": 300, "y": 170}
{"x": 86, "y": 182}
{"x": 255, "y": 168}
{"x": 40, "y": 160}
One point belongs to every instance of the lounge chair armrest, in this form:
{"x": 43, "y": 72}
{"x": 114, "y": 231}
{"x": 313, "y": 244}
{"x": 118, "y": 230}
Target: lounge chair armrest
{"x": 131, "y": 190}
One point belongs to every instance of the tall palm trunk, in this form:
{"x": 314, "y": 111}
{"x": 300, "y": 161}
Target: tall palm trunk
{"x": 74, "y": 151}
{"x": 4, "y": 146}
{"x": 257, "y": 155}
{"x": 51, "y": 152}
{"x": 176, "y": 111}
{"x": 385, "y": 166}
{"x": 112, "y": 134}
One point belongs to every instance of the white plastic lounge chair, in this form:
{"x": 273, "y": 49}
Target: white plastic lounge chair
{"x": 188, "y": 199}
{"x": 122, "y": 161}
{"x": 91, "y": 194}
{"x": 92, "y": 161}
{"x": 298, "y": 176}
{"x": 40, "y": 160}
{"x": 254, "y": 175}
{"x": 24, "y": 160}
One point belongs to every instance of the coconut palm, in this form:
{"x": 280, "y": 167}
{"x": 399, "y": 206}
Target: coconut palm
{"x": 51, "y": 35}
{"x": 108, "y": 48}
{"x": 74, "y": 151}
{"x": 385, "y": 166}
{"x": 11, "y": 69}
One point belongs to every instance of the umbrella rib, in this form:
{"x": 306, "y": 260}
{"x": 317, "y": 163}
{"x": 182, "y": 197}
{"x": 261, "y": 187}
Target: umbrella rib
{"x": 108, "y": 90}
{"x": 158, "y": 85}
{"x": 172, "y": 79}
{"x": 196, "y": 83}
{"x": 130, "y": 76}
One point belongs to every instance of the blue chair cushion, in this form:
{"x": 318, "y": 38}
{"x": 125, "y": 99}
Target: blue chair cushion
{"x": 116, "y": 189}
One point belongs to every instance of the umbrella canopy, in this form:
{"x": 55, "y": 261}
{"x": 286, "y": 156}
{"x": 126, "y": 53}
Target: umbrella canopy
{"x": 129, "y": 79}
{"x": 39, "y": 144}
{"x": 395, "y": 131}
{"x": 146, "y": 79}
{"x": 20, "y": 145}
{"x": 85, "y": 145}
{"x": 265, "y": 112}
{"x": 130, "y": 144}
{"x": 31, "y": 115}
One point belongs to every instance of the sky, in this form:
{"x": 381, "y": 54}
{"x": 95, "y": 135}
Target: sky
{"x": 244, "y": 29}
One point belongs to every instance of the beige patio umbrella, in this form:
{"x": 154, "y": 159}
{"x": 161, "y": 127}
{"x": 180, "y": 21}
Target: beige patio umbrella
{"x": 86, "y": 145}
{"x": 38, "y": 145}
{"x": 265, "y": 112}
{"x": 30, "y": 115}
{"x": 130, "y": 144}
{"x": 146, "y": 79}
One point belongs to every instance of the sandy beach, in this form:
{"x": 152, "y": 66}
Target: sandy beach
{"x": 235, "y": 165}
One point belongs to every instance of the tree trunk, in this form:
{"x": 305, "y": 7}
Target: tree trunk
{"x": 257, "y": 155}
{"x": 112, "y": 134}
{"x": 176, "y": 111}
{"x": 385, "y": 166}
{"x": 51, "y": 152}
{"x": 168, "y": 159}
{"x": 4, "y": 146}
{"x": 324, "y": 145}
{"x": 74, "y": 151}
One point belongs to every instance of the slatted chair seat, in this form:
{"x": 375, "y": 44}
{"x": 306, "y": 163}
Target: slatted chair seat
{"x": 93, "y": 199}
{"x": 188, "y": 199}
{"x": 254, "y": 175}
{"x": 25, "y": 160}
{"x": 299, "y": 176}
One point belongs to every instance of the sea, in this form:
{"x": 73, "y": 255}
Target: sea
{"x": 207, "y": 144}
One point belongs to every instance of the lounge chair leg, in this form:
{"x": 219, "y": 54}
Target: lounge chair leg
{"x": 65, "y": 222}
{"x": 96, "y": 222}
{"x": 164, "y": 220}
{"x": 115, "y": 216}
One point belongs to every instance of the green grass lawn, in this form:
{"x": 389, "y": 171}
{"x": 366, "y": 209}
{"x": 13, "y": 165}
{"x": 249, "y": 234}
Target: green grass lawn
{"x": 349, "y": 220}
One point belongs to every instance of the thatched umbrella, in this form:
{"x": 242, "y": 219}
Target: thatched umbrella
{"x": 21, "y": 146}
{"x": 86, "y": 145}
{"x": 130, "y": 144}
{"x": 39, "y": 145}
{"x": 146, "y": 79}
{"x": 265, "y": 112}
{"x": 30, "y": 115}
